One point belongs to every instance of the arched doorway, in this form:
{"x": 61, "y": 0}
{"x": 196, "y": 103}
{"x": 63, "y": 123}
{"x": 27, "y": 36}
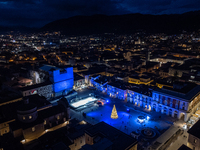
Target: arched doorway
{"x": 170, "y": 112}
{"x": 165, "y": 111}
{"x": 131, "y": 100}
{"x": 159, "y": 108}
{"x": 149, "y": 107}
{"x": 154, "y": 107}
{"x": 175, "y": 114}
{"x": 182, "y": 116}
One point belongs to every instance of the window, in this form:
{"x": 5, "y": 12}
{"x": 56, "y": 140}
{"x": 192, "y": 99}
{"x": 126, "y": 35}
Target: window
{"x": 80, "y": 141}
{"x": 88, "y": 138}
{"x": 45, "y": 122}
{"x": 30, "y": 117}
{"x": 33, "y": 129}
{"x": 23, "y": 118}
{"x": 195, "y": 140}
{"x": 75, "y": 144}
{"x": 58, "y": 117}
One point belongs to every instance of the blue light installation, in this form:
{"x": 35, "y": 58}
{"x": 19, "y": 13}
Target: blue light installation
{"x": 57, "y": 75}
{"x": 141, "y": 119}
{"x": 148, "y": 117}
{"x": 62, "y": 80}
{"x": 63, "y": 85}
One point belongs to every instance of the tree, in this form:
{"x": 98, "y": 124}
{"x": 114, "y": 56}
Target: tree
{"x": 114, "y": 113}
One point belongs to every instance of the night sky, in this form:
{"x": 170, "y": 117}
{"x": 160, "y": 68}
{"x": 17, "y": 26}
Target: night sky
{"x": 36, "y": 13}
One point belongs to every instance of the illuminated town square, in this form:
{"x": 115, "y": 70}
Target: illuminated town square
{"x": 100, "y": 75}
{"x": 143, "y": 124}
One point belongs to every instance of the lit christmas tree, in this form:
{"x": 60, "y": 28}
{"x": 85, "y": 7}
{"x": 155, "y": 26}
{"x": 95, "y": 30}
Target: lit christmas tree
{"x": 114, "y": 113}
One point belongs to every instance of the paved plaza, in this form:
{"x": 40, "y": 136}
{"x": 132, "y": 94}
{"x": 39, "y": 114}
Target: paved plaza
{"x": 127, "y": 120}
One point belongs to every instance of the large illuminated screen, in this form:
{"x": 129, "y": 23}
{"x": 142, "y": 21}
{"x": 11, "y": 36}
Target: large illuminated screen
{"x": 83, "y": 102}
{"x": 64, "y": 85}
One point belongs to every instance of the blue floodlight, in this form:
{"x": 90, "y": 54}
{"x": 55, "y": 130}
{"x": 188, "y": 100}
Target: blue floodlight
{"x": 148, "y": 117}
{"x": 128, "y": 110}
{"x": 107, "y": 101}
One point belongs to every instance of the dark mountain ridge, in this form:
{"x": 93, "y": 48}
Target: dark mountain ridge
{"x": 130, "y": 23}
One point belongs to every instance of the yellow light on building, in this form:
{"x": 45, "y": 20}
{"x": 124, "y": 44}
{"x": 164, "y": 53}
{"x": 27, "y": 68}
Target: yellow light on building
{"x": 23, "y": 141}
{"x": 149, "y": 107}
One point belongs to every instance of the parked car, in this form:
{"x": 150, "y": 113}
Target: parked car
{"x": 100, "y": 104}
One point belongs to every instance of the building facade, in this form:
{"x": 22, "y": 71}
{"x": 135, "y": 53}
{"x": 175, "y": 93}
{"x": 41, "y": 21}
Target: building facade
{"x": 177, "y": 101}
{"x": 42, "y": 89}
{"x": 139, "y": 99}
{"x": 116, "y": 91}
{"x": 176, "y": 104}
{"x": 62, "y": 79}
{"x": 194, "y": 138}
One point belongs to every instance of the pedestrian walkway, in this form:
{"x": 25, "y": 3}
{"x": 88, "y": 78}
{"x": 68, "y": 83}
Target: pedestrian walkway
{"x": 182, "y": 139}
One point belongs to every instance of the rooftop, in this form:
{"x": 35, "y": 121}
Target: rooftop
{"x": 114, "y": 135}
{"x": 102, "y": 79}
{"x": 76, "y": 129}
{"x": 118, "y": 85}
{"x": 187, "y": 93}
{"x": 195, "y": 130}
{"x": 143, "y": 89}
{"x": 184, "y": 147}
{"x": 48, "y": 68}
{"x": 35, "y": 86}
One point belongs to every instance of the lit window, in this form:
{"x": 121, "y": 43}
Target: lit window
{"x": 58, "y": 117}
{"x": 33, "y": 129}
{"x": 45, "y": 122}
{"x": 30, "y": 117}
{"x": 195, "y": 140}
{"x": 23, "y": 118}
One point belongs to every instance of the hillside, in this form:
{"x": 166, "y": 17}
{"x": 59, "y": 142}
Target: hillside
{"x": 129, "y": 23}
